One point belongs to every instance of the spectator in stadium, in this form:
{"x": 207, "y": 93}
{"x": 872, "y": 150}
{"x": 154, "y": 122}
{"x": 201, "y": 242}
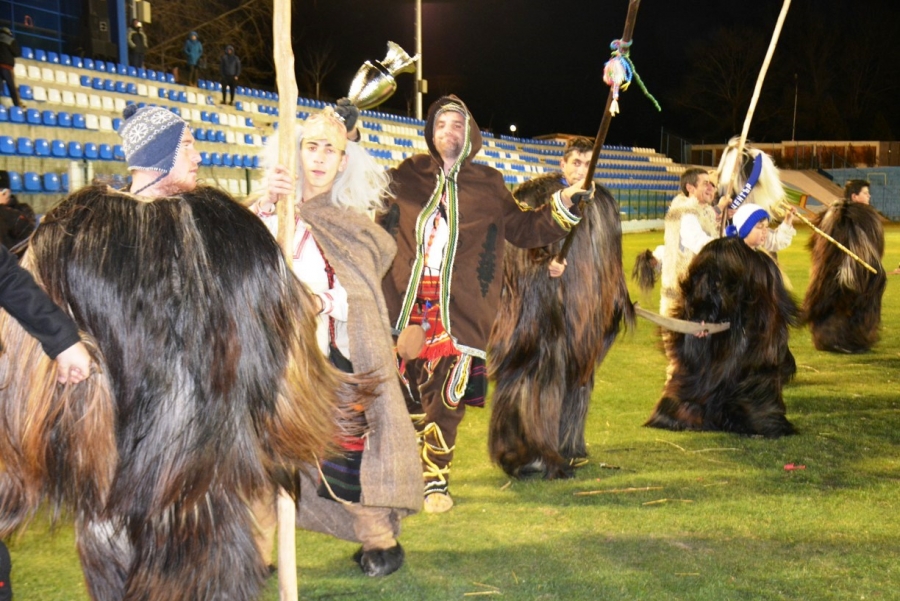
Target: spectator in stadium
{"x": 229, "y": 71}
{"x": 137, "y": 44}
{"x": 193, "y": 52}
{"x": 9, "y": 51}
{"x": 17, "y": 219}
{"x": 451, "y": 219}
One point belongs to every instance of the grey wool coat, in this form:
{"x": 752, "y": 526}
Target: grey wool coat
{"x": 391, "y": 475}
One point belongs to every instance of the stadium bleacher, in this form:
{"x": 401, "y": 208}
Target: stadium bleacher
{"x": 75, "y": 106}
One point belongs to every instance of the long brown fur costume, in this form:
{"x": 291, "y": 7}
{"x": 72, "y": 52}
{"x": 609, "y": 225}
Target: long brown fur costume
{"x": 551, "y": 334}
{"x": 730, "y": 381}
{"x": 843, "y": 300}
{"x": 211, "y": 380}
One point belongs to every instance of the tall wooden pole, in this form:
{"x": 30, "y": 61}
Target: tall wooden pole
{"x": 286, "y": 80}
{"x": 630, "y": 19}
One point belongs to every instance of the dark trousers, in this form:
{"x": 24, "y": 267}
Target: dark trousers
{"x": 136, "y": 59}
{"x": 228, "y": 87}
{"x": 9, "y": 77}
{"x": 193, "y": 74}
{"x": 436, "y": 422}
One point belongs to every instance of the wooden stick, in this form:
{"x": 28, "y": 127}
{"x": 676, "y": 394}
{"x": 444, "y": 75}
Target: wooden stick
{"x": 633, "y": 6}
{"x": 756, "y": 91}
{"x": 852, "y": 254}
{"x": 616, "y": 490}
{"x": 286, "y": 81}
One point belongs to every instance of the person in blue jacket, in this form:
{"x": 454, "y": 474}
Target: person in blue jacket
{"x": 193, "y": 51}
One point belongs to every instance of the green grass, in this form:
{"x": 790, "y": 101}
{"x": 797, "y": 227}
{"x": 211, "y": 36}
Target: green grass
{"x": 724, "y": 520}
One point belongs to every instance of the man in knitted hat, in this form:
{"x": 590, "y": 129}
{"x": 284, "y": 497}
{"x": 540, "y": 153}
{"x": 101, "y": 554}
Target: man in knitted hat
{"x": 751, "y": 223}
{"x": 159, "y": 150}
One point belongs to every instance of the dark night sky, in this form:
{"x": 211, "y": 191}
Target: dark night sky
{"x": 535, "y": 63}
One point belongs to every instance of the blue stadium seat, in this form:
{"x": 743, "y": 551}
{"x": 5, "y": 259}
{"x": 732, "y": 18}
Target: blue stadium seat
{"x": 4, "y": 113}
{"x": 204, "y": 116}
{"x": 239, "y": 105}
{"x": 41, "y": 147}
{"x": 109, "y": 85}
{"x": 142, "y": 73}
{"x": 88, "y": 63}
{"x": 220, "y": 136}
{"x": 91, "y": 151}
{"x": 131, "y": 88}
{"x": 53, "y": 57}
{"x": 58, "y": 149}
{"x": 26, "y": 93}
{"x": 214, "y": 119}
{"x": 97, "y": 83}
{"x": 227, "y": 161}
{"x": 33, "y": 117}
{"x": 122, "y": 69}
{"x": 40, "y": 55}
{"x": 76, "y": 151}
{"x": 63, "y": 119}
{"x": 118, "y": 153}
{"x": 161, "y": 92}
{"x": 15, "y": 181}
{"x": 32, "y": 181}
{"x": 132, "y": 72}
{"x": 256, "y": 162}
{"x": 121, "y": 87}
{"x": 210, "y": 135}
{"x": 201, "y": 83}
{"x": 200, "y": 134}
{"x": 116, "y": 123}
{"x": 248, "y": 121}
{"x": 204, "y": 159}
{"x": 51, "y": 182}
{"x": 151, "y": 74}
{"x": 100, "y": 66}
{"x": 247, "y": 162}
{"x": 216, "y": 159}
{"x": 170, "y": 78}
{"x": 237, "y": 160}
{"x": 78, "y": 121}
{"x": 239, "y": 90}
{"x": 111, "y": 67}
{"x": 27, "y": 52}
{"x": 182, "y": 96}
{"x": 106, "y": 152}
{"x": 65, "y": 60}
{"x": 85, "y": 81}
{"x": 248, "y": 138}
{"x": 175, "y": 110}
{"x": 172, "y": 95}
{"x": 64, "y": 182}
{"x": 24, "y": 147}
{"x": 7, "y": 145}
{"x": 77, "y": 62}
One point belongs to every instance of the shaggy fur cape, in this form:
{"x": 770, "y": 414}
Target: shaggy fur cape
{"x": 843, "y": 300}
{"x": 210, "y": 382}
{"x": 730, "y": 381}
{"x": 551, "y": 334}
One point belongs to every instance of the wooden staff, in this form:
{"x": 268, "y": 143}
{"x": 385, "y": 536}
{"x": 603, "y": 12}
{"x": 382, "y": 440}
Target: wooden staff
{"x": 852, "y": 254}
{"x": 604, "y": 127}
{"x": 753, "y": 100}
{"x": 286, "y": 81}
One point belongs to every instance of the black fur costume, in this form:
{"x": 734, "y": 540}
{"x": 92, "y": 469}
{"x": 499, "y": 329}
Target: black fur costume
{"x": 730, "y": 381}
{"x": 843, "y": 300}
{"x": 211, "y": 380}
{"x": 551, "y": 334}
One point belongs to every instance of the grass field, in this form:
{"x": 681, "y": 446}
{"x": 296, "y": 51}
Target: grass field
{"x": 714, "y": 517}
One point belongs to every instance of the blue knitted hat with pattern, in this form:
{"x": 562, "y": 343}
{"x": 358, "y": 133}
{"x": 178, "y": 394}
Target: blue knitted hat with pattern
{"x": 151, "y": 138}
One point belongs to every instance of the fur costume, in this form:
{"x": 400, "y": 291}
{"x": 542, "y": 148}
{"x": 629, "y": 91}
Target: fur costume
{"x": 843, "y": 300}
{"x": 730, "y": 381}
{"x": 210, "y": 382}
{"x": 551, "y": 334}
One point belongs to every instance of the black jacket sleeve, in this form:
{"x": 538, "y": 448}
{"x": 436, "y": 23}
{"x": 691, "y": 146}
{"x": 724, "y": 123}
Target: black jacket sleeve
{"x": 24, "y": 300}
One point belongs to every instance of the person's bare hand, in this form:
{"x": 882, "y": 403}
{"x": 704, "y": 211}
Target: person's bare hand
{"x": 557, "y": 268}
{"x": 73, "y": 364}
{"x": 278, "y": 183}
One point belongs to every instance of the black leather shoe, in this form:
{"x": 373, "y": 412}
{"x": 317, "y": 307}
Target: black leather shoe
{"x": 380, "y": 562}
